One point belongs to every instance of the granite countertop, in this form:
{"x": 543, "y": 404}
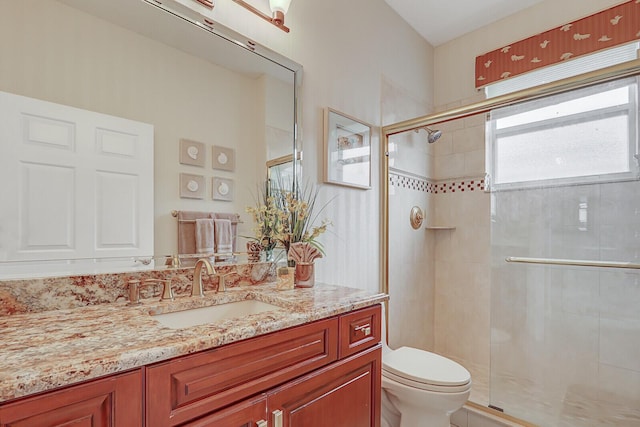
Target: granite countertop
{"x": 46, "y": 350}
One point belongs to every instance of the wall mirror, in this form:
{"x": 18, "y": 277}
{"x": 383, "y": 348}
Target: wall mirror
{"x": 162, "y": 64}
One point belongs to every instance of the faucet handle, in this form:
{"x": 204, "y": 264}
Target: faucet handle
{"x": 167, "y": 291}
{"x": 135, "y": 285}
{"x": 222, "y": 282}
{"x": 134, "y": 292}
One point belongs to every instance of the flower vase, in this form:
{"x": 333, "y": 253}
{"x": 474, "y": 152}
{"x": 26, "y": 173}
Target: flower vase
{"x": 305, "y": 275}
{"x": 268, "y": 255}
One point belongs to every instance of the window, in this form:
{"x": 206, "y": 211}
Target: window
{"x": 583, "y": 135}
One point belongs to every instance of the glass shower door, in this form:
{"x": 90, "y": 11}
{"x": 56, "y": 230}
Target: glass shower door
{"x": 565, "y": 339}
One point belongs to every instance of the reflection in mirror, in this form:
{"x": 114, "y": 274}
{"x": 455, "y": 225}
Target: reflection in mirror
{"x": 134, "y": 61}
{"x": 280, "y": 171}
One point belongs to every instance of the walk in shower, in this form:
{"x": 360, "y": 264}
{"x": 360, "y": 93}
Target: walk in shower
{"x": 536, "y": 264}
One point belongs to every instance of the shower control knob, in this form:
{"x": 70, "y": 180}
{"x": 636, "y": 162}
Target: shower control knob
{"x": 416, "y": 217}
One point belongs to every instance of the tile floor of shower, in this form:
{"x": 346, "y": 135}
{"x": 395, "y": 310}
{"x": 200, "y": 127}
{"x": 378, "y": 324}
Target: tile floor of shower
{"x": 580, "y": 406}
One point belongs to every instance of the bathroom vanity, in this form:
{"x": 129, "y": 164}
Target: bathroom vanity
{"x": 314, "y": 361}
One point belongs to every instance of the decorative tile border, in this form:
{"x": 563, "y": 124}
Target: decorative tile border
{"x": 411, "y": 183}
{"x": 460, "y": 186}
{"x": 440, "y": 187}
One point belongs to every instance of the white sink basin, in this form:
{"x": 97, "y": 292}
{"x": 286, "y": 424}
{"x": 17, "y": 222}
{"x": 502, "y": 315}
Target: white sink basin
{"x": 212, "y": 314}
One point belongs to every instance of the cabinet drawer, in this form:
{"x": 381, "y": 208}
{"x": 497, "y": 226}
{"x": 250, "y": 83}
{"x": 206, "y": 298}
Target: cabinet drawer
{"x": 189, "y": 387}
{"x": 359, "y": 330}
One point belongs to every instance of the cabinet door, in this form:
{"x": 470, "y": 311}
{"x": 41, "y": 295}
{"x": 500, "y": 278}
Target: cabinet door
{"x": 112, "y": 401}
{"x": 249, "y": 413}
{"x": 344, "y": 394}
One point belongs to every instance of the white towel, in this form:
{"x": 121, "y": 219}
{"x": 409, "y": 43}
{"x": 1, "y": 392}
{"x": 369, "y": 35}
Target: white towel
{"x": 223, "y": 236}
{"x": 204, "y": 235}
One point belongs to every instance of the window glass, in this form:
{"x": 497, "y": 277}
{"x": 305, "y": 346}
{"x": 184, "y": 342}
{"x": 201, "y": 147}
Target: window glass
{"x": 585, "y": 134}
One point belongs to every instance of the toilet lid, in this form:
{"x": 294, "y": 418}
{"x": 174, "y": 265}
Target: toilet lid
{"x": 425, "y": 367}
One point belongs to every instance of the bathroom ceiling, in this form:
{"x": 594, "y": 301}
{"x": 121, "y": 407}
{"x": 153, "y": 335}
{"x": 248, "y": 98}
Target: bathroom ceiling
{"x": 440, "y": 21}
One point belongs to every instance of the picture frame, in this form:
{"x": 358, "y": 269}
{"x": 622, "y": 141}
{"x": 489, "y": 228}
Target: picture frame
{"x": 222, "y": 189}
{"x": 347, "y": 150}
{"x": 192, "y": 153}
{"x": 223, "y": 158}
{"x": 192, "y": 186}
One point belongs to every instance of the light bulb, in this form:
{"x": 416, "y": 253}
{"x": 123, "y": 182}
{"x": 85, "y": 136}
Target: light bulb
{"x": 279, "y": 6}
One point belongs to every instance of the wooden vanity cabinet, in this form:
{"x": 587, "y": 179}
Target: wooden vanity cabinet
{"x": 306, "y": 376}
{"x": 322, "y": 374}
{"x": 107, "y": 402}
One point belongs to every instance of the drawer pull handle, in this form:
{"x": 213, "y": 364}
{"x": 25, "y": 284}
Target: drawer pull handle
{"x": 366, "y": 329}
{"x": 277, "y": 418}
{"x": 261, "y": 423}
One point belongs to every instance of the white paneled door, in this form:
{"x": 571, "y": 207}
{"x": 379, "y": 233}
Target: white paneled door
{"x": 75, "y": 184}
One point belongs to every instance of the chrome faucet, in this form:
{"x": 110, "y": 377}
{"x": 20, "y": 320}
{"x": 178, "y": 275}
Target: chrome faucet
{"x": 196, "y": 287}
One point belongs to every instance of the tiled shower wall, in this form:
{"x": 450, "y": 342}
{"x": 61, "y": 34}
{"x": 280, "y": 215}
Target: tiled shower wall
{"x": 462, "y": 263}
{"x": 411, "y": 266}
{"x": 411, "y": 278}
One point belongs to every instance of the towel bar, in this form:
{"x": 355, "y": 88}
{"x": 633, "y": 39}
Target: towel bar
{"x": 174, "y": 214}
{"x": 574, "y": 262}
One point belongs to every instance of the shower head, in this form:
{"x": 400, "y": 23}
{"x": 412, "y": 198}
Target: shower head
{"x": 432, "y": 135}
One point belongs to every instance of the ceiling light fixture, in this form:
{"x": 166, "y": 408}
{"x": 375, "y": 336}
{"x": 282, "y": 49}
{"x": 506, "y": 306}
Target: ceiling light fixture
{"x": 279, "y": 9}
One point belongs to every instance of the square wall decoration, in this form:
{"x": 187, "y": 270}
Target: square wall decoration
{"x": 222, "y": 189}
{"x": 192, "y": 153}
{"x": 191, "y": 186}
{"x": 347, "y": 150}
{"x": 224, "y": 158}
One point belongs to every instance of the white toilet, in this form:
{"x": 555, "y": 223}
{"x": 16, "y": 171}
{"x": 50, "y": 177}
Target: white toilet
{"x": 419, "y": 388}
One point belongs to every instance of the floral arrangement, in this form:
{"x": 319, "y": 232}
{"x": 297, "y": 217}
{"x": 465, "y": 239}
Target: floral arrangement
{"x": 266, "y": 217}
{"x": 287, "y": 216}
{"x": 299, "y": 216}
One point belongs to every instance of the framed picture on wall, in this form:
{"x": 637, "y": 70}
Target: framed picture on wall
{"x": 192, "y": 152}
{"x": 222, "y": 189}
{"x": 191, "y": 186}
{"x": 224, "y": 158}
{"x": 347, "y": 150}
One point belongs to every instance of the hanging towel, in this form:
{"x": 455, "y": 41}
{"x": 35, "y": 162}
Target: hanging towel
{"x": 204, "y": 235}
{"x": 223, "y": 236}
{"x": 187, "y": 230}
{"x": 234, "y": 218}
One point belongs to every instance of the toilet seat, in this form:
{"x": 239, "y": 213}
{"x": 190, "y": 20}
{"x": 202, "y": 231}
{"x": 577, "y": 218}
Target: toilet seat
{"x": 425, "y": 371}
